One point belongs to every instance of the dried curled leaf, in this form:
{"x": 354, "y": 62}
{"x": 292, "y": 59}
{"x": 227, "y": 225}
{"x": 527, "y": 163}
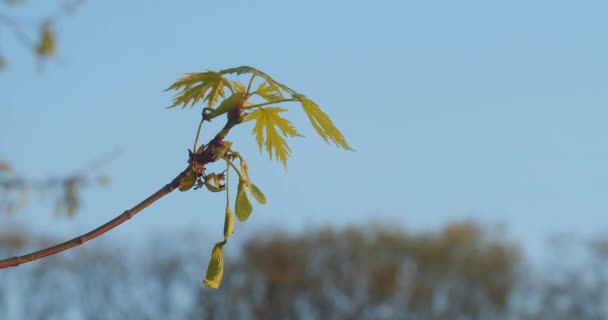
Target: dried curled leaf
{"x": 215, "y": 269}
{"x": 213, "y": 184}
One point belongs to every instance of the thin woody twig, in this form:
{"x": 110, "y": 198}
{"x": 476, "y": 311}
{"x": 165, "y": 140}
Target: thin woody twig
{"x": 128, "y": 214}
{"x": 80, "y": 176}
{"x": 208, "y": 156}
{"x": 17, "y": 30}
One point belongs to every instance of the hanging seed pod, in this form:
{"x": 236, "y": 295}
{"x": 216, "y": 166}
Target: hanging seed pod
{"x": 215, "y": 269}
{"x": 243, "y": 206}
{"x": 257, "y": 194}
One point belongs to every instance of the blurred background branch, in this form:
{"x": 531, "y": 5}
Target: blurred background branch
{"x": 39, "y": 38}
{"x": 16, "y": 188}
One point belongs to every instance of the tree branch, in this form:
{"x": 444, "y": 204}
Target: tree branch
{"x": 14, "y": 185}
{"x": 196, "y": 163}
{"x": 128, "y": 214}
{"x": 18, "y": 31}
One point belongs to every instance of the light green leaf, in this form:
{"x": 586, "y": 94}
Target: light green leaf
{"x": 208, "y": 86}
{"x": 251, "y": 70}
{"x": 188, "y": 181}
{"x": 215, "y": 269}
{"x": 228, "y": 222}
{"x": 243, "y": 206}
{"x": 238, "y": 87}
{"x": 257, "y": 194}
{"x": 321, "y": 122}
{"x": 266, "y": 133}
{"x": 229, "y": 104}
{"x": 269, "y": 91}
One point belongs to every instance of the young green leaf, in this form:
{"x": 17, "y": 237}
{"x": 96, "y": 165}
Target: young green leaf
{"x": 269, "y": 91}
{"x": 238, "y": 87}
{"x": 251, "y": 70}
{"x": 243, "y": 206}
{"x": 321, "y": 122}
{"x": 266, "y": 133}
{"x": 228, "y": 222}
{"x": 257, "y": 194}
{"x": 196, "y": 86}
{"x": 215, "y": 269}
{"x": 188, "y": 181}
{"x": 229, "y": 104}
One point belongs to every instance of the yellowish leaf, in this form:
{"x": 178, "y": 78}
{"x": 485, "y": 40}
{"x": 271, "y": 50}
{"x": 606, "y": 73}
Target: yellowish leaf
{"x": 266, "y": 133}
{"x": 269, "y": 91}
{"x": 321, "y": 122}
{"x": 208, "y": 86}
{"x": 238, "y": 87}
{"x": 213, "y": 188}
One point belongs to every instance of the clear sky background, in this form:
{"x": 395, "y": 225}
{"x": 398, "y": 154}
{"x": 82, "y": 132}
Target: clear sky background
{"x": 490, "y": 110}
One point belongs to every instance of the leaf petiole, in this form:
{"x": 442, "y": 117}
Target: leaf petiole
{"x": 235, "y": 168}
{"x": 227, "y": 184}
{"x": 268, "y": 103}
{"x": 198, "y": 132}
{"x": 250, "y": 83}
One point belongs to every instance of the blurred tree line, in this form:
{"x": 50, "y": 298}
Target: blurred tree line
{"x": 464, "y": 271}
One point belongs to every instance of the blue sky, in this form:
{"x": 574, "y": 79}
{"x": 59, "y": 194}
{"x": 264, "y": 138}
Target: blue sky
{"x": 490, "y": 110}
